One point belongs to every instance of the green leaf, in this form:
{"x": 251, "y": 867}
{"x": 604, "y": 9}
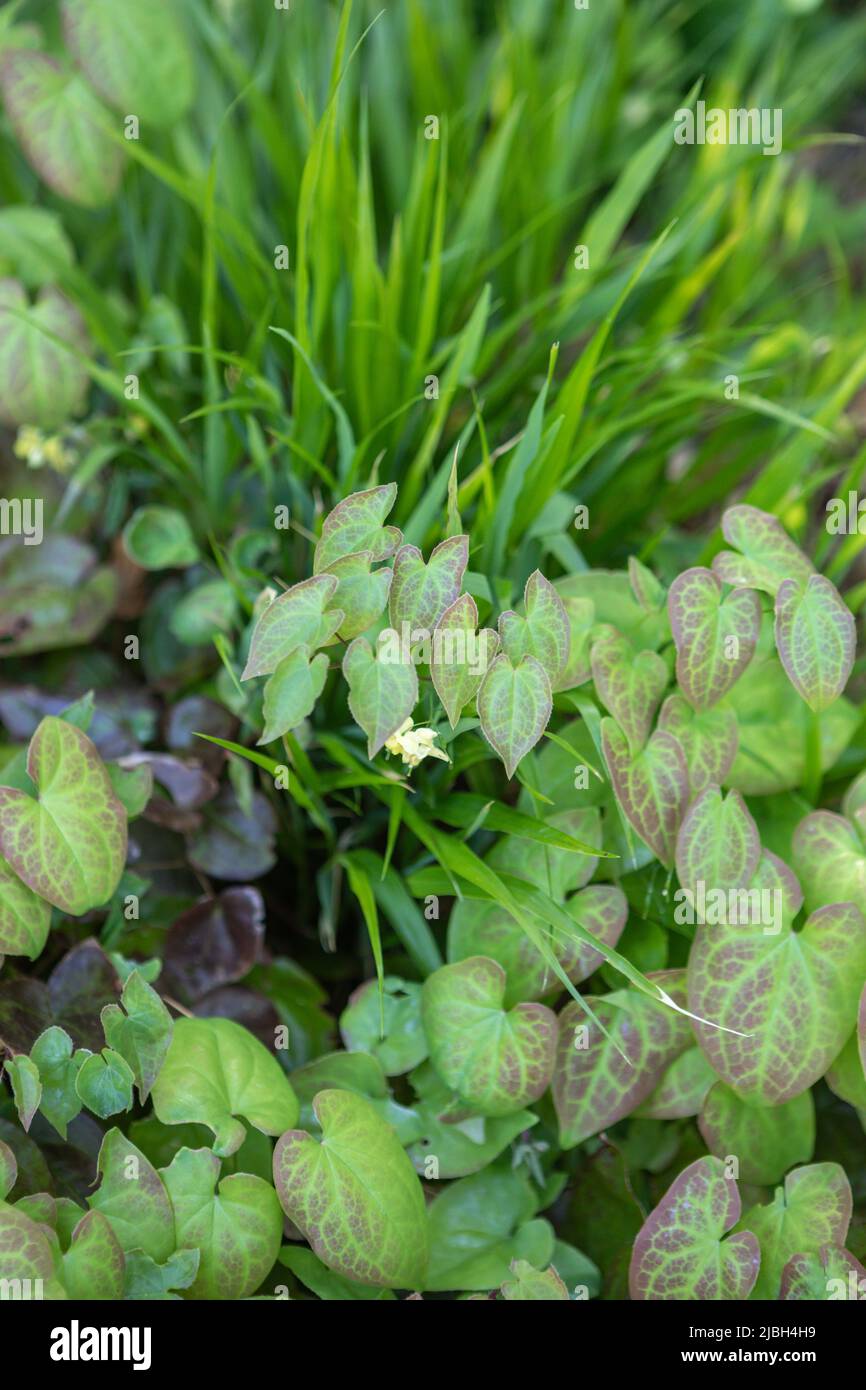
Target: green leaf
{"x": 460, "y": 656}
{"x": 681, "y": 1251}
{"x": 69, "y": 846}
{"x": 715, "y": 636}
{"x": 58, "y": 1069}
{"x": 514, "y": 707}
{"x": 581, "y": 621}
{"x": 361, "y": 593}
{"x": 142, "y": 1033}
{"x": 811, "y": 1211}
{"x": 159, "y": 538}
{"x": 295, "y": 619}
{"x": 93, "y": 1266}
{"x": 324, "y": 1282}
{"x": 236, "y": 1227}
{"x": 34, "y": 247}
{"x": 25, "y": 918}
{"x": 292, "y": 691}
{"x": 132, "y": 1196}
{"x": 25, "y": 1251}
{"x": 203, "y": 613}
{"x": 61, "y": 127}
{"x": 707, "y": 737}
{"x": 531, "y": 1285}
{"x": 459, "y": 1141}
{"x": 8, "y": 1170}
{"x": 357, "y": 524}
{"x": 652, "y": 788}
{"x": 543, "y": 633}
{"x": 382, "y": 692}
{"x": 104, "y": 1083}
{"x": 802, "y": 990}
{"x": 768, "y": 555}
{"x": 767, "y": 1140}
{"x": 23, "y": 1073}
{"x": 479, "y": 1225}
{"x": 355, "y": 1195}
{"x": 403, "y": 1044}
{"x": 132, "y": 786}
{"x": 682, "y": 1089}
{"x": 146, "y": 1279}
{"x": 599, "y": 1079}
{"x": 562, "y": 831}
{"x": 216, "y": 1070}
{"x": 139, "y": 63}
{"x": 718, "y": 842}
{"x": 816, "y": 639}
{"x": 54, "y": 387}
{"x": 830, "y": 861}
{"x": 421, "y": 593}
{"x": 630, "y": 684}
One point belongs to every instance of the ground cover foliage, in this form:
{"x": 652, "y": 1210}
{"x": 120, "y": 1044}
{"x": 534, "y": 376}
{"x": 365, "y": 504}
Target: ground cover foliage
{"x": 432, "y": 742}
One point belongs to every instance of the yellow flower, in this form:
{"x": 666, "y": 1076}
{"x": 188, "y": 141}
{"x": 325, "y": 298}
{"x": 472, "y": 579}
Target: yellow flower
{"x": 56, "y": 454}
{"x": 414, "y": 745}
{"x": 30, "y": 445}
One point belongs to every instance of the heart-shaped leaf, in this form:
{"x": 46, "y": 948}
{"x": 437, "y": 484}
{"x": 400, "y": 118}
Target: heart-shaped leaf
{"x": 292, "y": 691}
{"x": 707, "y": 737}
{"x": 792, "y": 996}
{"x": 815, "y": 638}
{"x": 361, "y": 593}
{"x": 355, "y": 1195}
{"x": 462, "y": 1142}
{"x": 460, "y": 656}
{"x": 140, "y": 1031}
{"x": 356, "y": 524}
{"x": 160, "y": 538}
{"x": 497, "y": 1061}
{"x": 133, "y": 1198}
{"x": 514, "y": 707}
{"x": 830, "y": 860}
{"x": 420, "y": 593}
{"x": 529, "y": 1285}
{"x": 652, "y": 788}
{"x": 216, "y": 1070}
{"x": 681, "y": 1251}
{"x": 53, "y": 388}
{"x": 766, "y": 1140}
{"x": 61, "y": 127}
{"x": 58, "y": 1066}
{"x": 630, "y": 684}
{"x": 147, "y": 1279}
{"x": 138, "y": 62}
{"x": 23, "y": 1073}
{"x": 812, "y": 1211}
{"x": 216, "y": 942}
{"x": 69, "y": 846}
{"x": 296, "y": 619}
{"x": 382, "y": 692}
{"x": 715, "y": 637}
{"x": 93, "y": 1266}
{"x": 479, "y": 1225}
{"x": 543, "y": 633}
{"x": 402, "y": 1044}
{"x": 25, "y": 918}
{"x": 831, "y": 1274}
{"x": 682, "y": 1090}
{"x": 25, "y": 1251}
{"x": 581, "y": 621}
{"x": 599, "y": 1079}
{"x": 104, "y": 1083}
{"x": 718, "y": 842}
{"x": 767, "y": 553}
{"x": 236, "y": 1227}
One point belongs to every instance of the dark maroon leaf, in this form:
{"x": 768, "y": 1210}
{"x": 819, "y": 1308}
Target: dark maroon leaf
{"x": 188, "y": 783}
{"x": 25, "y": 1012}
{"x": 216, "y": 942}
{"x": 232, "y": 845}
{"x": 199, "y": 715}
{"x": 80, "y": 985}
{"x": 244, "y": 1006}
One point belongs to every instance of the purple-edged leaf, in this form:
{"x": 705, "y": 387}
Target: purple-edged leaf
{"x": 296, "y": 619}
{"x": 420, "y": 593}
{"x": 291, "y": 693}
{"x": 133, "y": 1199}
{"x": 543, "y": 633}
{"x": 830, "y": 861}
{"x": 93, "y": 1266}
{"x": 531, "y": 1285}
{"x": 767, "y": 553}
{"x": 382, "y": 693}
{"x": 497, "y": 1061}
{"x": 138, "y": 60}
{"x": 813, "y": 1210}
{"x": 682, "y": 1253}
{"x": 215, "y": 942}
{"x": 69, "y": 845}
{"x": 600, "y": 1079}
{"x": 554, "y": 868}
{"x": 460, "y": 656}
{"x": 708, "y": 739}
{"x": 792, "y": 994}
{"x": 514, "y": 706}
{"x": 362, "y": 593}
{"x": 41, "y": 382}
{"x": 652, "y": 789}
{"x": 846, "y": 1077}
{"x": 61, "y": 127}
{"x": 832, "y": 1274}
{"x": 815, "y": 638}
{"x": 581, "y": 620}
{"x": 25, "y": 918}
{"x": 766, "y": 1140}
{"x": 629, "y": 683}
{"x": 355, "y": 1194}
{"x": 357, "y": 523}
{"x": 715, "y": 637}
{"x": 682, "y": 1090}
{"x": 602, "y": 909}
{"x": 718, "y": 842}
